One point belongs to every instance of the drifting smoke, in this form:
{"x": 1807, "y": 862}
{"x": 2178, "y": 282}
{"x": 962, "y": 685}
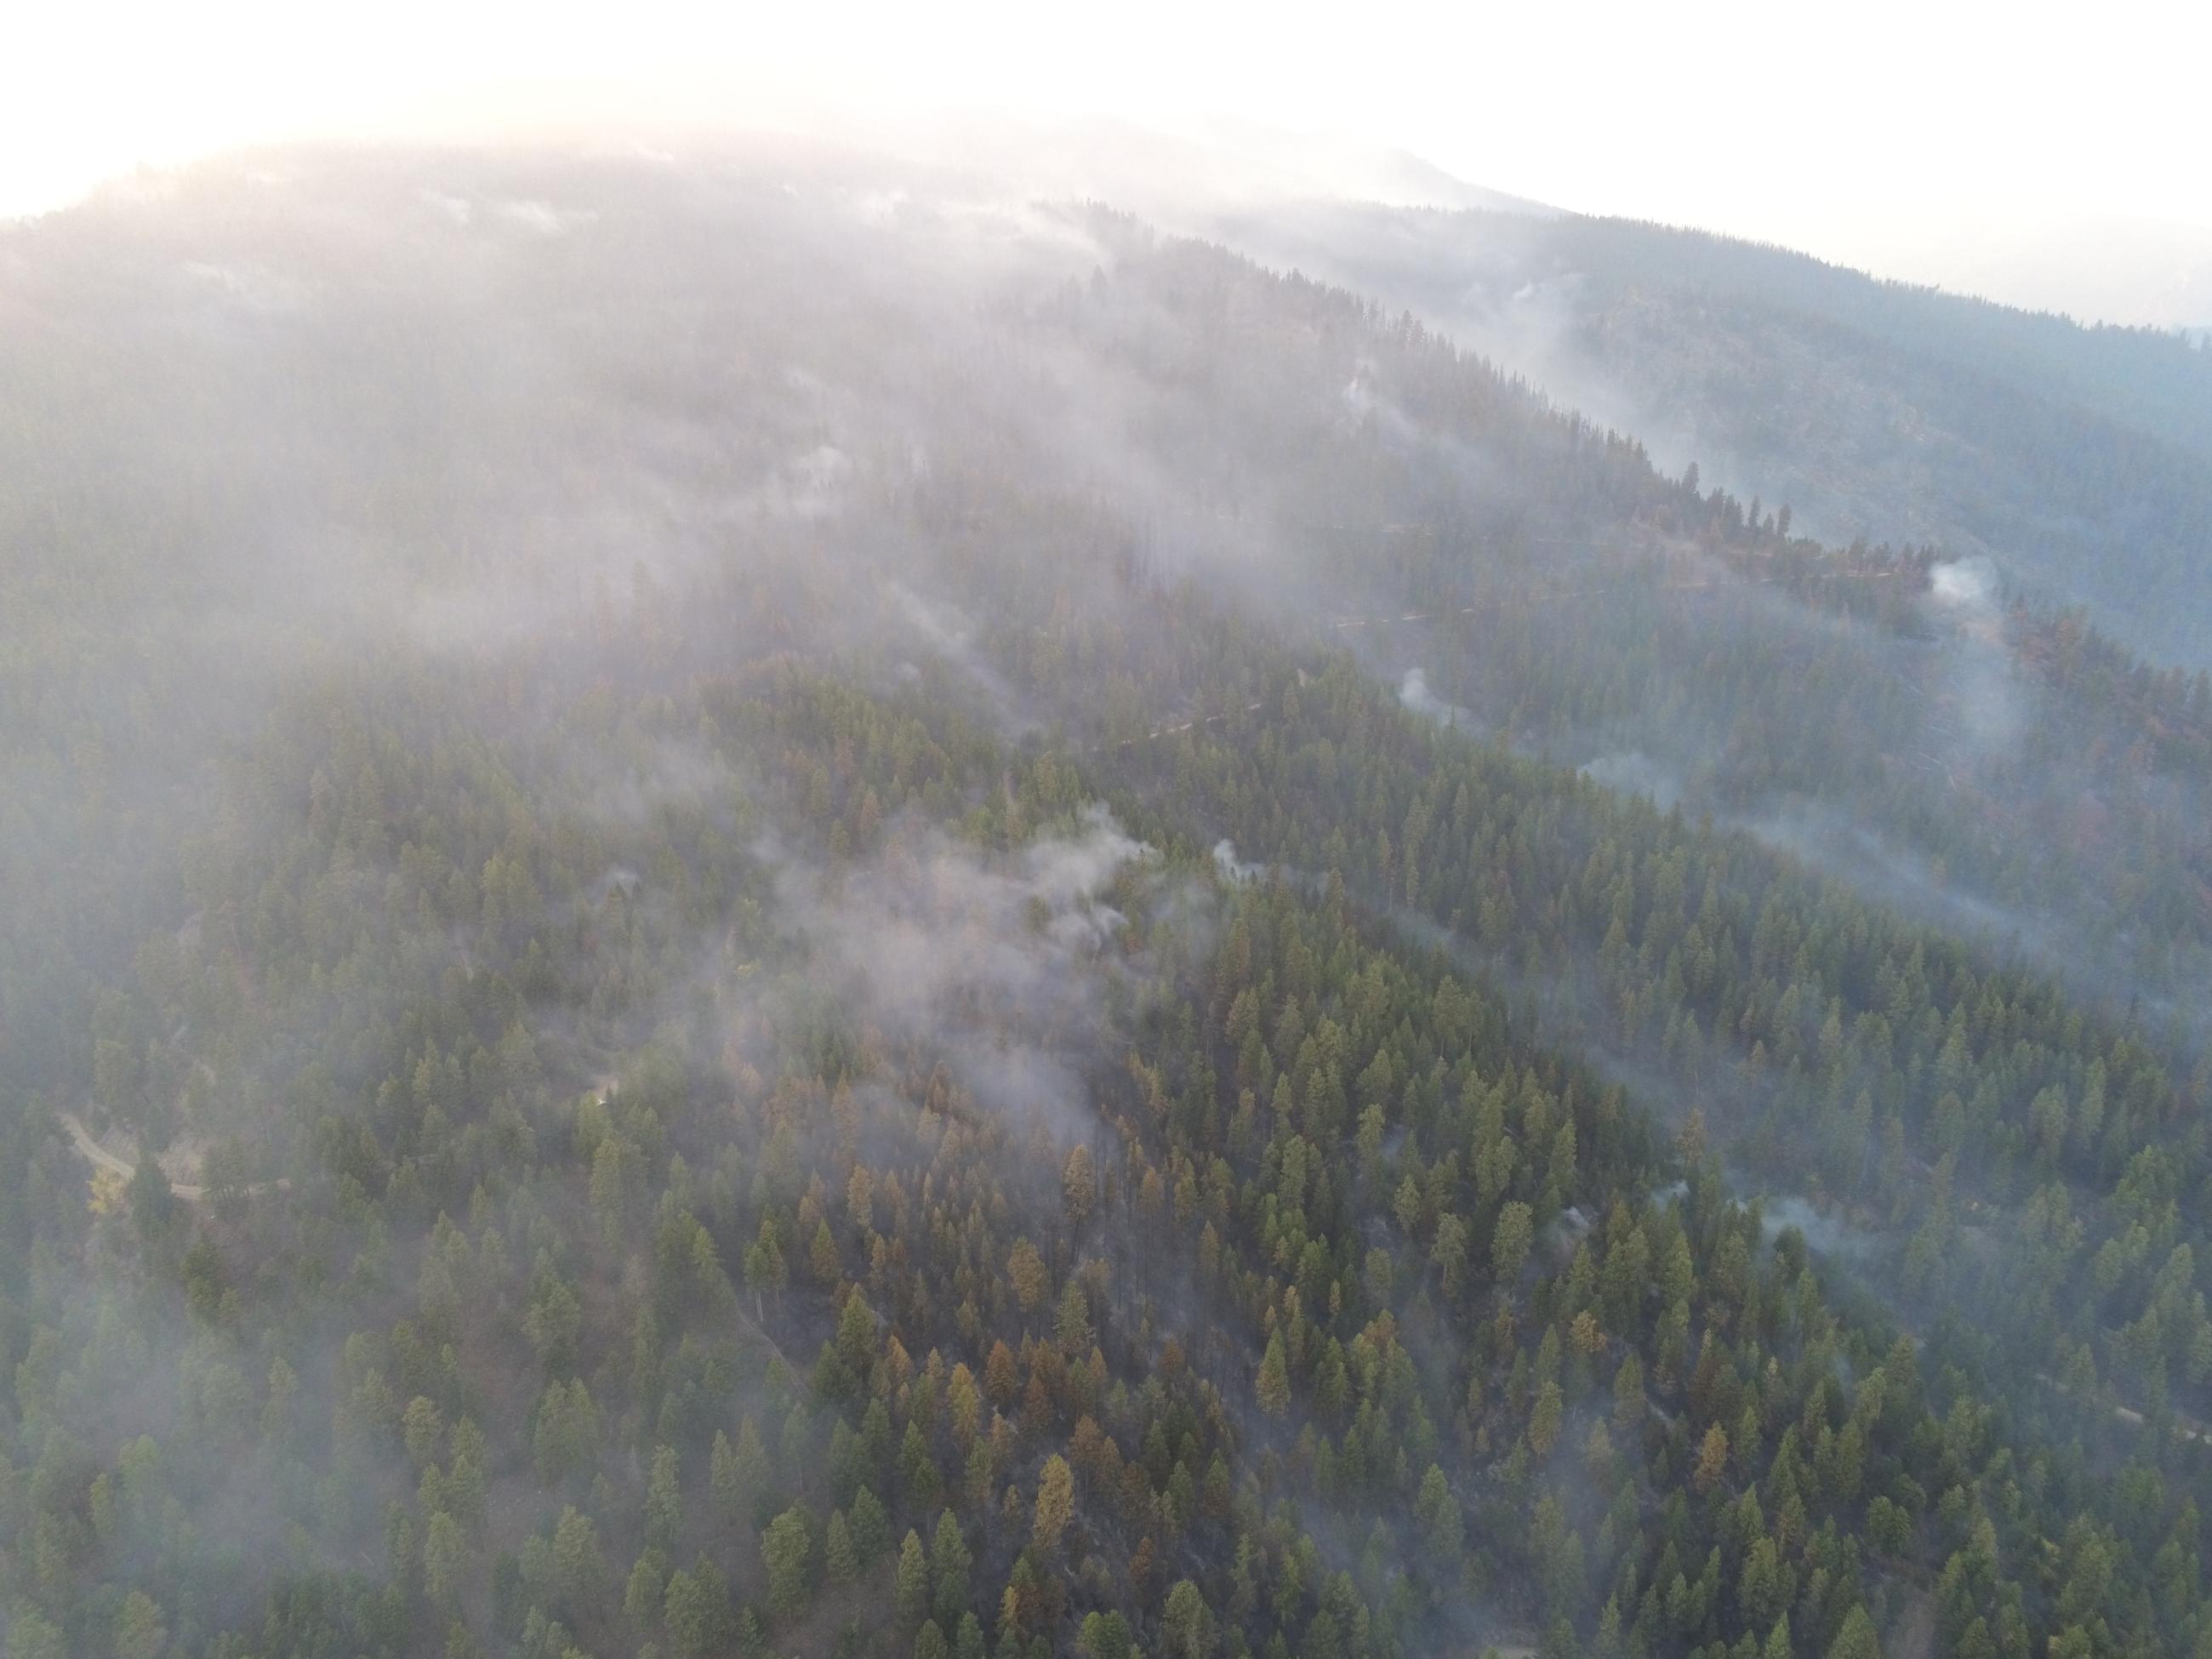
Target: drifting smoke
{"x": 1003, "y": 966}
{"x": 949, "y": 634}
{"x": 1823, "y": 1234}
{"x": 1007, "y": 966}
{"x": 1413, "y": 692}
{"x": 1888, "y": 873}
{"x": 1635, "y": 773}
{"x": 456, "y": 210}
{"x": 1992, "y": 716}
{"x": 1234, "y": 871}
{"x": 1965, "y": 584}
{"x": 542, "y": 218}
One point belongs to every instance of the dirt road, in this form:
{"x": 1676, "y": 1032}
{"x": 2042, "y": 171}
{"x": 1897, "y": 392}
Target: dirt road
{"x": 107, "y": 1160}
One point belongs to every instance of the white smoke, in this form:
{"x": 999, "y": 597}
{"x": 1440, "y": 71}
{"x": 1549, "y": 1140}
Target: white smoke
{"x": 1236, "y": 871}
{"x": 1413, "y": 692}
{"x": 1002, "y": 963}
{"x": 1824, "y": 1234}
{"x": 1965, "y": 584}
{"x": 1635, "y": 773}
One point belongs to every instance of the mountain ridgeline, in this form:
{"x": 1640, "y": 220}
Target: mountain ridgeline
{"x": 2079, "y": 461}
{"x": 825, "y": 914}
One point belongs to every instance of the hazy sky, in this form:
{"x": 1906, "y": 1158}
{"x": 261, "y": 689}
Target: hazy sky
{"x": 1915, "y": 138}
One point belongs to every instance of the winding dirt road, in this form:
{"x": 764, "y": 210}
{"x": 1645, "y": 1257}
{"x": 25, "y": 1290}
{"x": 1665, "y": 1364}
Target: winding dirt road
{"x": 107, "y": 1160}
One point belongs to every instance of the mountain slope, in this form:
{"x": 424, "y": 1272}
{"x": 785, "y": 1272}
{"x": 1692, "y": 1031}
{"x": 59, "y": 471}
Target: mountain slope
{"x": 2080, "y": 460}
{"x": 656, "y": 773}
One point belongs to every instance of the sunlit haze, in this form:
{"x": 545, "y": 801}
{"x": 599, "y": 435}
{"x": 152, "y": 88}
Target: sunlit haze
{"x": 982, "y": 830}
{"x": 2033, "y": 153}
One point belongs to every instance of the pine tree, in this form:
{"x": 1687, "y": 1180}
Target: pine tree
{"x": 696, "y": 1610}
{"x": 870, "y": 1525}
{"x": 1025, "y": 1268}
{"x": 1712, "y": 1460}
{"x": 1186, "y": 1623}
{"x": 752, "y": 1478}
{"x": 1072, "y": 1325}
{"x": 664, "y": 1501}
{"x": 841, "y": 1562}
{"x": 140, "y": 1632}
{"x": 910, "y": 1583}
{"x": 726, "y": 1489}
{"x": 445, "y": 1557}
{"x": 1078, "y": 1186}
{"x": 787, "y": 1551}
{"x": 1544, "y": 1419}
{"x": 1055, "y": 1503}
{"x": 949, "y": 1562}
{"x": 918, "y": 1475}
{"x": 647, "y": 1587}
{"x": 1273, "y": 1383}
{"x": 1510, "y": 1242}
{"x": 1856, "y": 1638}
{"x": 1438, "y": 1513}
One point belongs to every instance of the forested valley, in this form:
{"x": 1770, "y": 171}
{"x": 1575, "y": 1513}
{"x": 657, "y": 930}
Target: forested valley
{"x": 758, "y": 905}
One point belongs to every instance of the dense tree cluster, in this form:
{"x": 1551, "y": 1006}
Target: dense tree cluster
{"x": 945, "y": 1066}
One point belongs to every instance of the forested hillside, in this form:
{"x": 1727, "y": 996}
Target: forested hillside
{"x": 2078, "y": 459}
{"x": 756, "y": 910}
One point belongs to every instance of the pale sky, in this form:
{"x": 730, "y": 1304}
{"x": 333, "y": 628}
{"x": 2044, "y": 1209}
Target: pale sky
{"x": 2064, "y": 147}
